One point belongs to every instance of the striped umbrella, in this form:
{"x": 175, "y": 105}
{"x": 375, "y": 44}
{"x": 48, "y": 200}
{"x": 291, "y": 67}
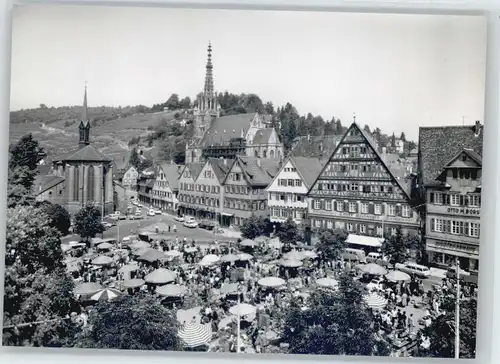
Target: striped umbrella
{"x": 194, "y": 334}
{"x": 106, "y": 294}
{"x": 375, "y": 301}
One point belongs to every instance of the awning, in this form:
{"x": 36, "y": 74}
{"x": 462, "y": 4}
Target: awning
{"x": 226, "y": 214}
{"x": 365, "y": 240}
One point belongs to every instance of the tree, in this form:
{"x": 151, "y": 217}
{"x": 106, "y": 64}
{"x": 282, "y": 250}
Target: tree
{"x": 393, "y": 140}
{"x": 172, "y": 102}
{"x": 138, "y": 322}
{"x": 396, "y": 247}
{"x": 441, "y": 332}
{"x": 134, "y": 159}
{"x": 59, "y": 217}
{"x": 185, "y": 103}
{"x": 37, "y": 287}
{"x": 411, "y": 145}
{"x": 88, "y": 222}
{"x": 269, "y": 108}
{"x": 25, "y": 153}
{"x": 338, "y": 127}
{"x": 403, "y": 137}
{"x": 337, "y": 323}
{"x": 332, "y": 243}
{"x": 330, "y": 128}
{"x": 377, "y": 133}
{"x": 288, "y": 232}
{"x": 253, "y": 227}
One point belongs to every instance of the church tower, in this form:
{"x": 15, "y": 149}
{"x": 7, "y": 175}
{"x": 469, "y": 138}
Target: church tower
{"x": 84, "y": 127}
{"x": 208, "y": 108}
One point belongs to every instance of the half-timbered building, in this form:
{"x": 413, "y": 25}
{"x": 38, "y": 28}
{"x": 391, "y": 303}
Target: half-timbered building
{"x": 187, "y": 179}
{"x": 357, "y": 191}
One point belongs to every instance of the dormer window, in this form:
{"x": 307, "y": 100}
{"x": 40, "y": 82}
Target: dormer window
{"x": 464, "y": 158}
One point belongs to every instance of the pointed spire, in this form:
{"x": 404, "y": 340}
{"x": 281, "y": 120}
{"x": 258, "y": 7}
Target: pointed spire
{"x": 85, "y": 118}
{"x": 353, "y": 117}
{"x": 209, "y": 79}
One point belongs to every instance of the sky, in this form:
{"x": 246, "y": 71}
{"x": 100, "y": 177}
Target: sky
{"x": 392, "y": 71}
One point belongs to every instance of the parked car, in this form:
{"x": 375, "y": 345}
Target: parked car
{"x": 375, "y": 284}
{"x": 190, "y": 222}
{"x": 151, "y": 213}
{"x": 414, "y": 269}
{"x": 179, "y": 218}
{"x": 107, "y": 225}
{"x": 138, "y": 216}
{"x": 158, "y": 212}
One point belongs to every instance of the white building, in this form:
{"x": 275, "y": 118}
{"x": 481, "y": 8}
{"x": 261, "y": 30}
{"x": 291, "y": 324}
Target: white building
{"x": 287, "y": 191}
{"x": 166, "y": 187}
{"x": 129, "y": 179}
{"x": 400, "y": 146}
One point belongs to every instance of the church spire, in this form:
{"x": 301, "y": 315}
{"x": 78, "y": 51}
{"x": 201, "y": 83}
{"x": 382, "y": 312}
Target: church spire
{"x": 209, "y": 77}
{"x": 84, "y": 127}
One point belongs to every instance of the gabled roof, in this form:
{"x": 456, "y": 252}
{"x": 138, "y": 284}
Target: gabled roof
{"x": 85, "y": 154}
{"x": 308, "y": 168}
{"x": 194, "y": 169}
{"x": 220, "y": 167}
{"x": 373, "y": 145}
{"x": 43, "y": 183}
{"x": 257, "y": 171}
{"x": 315, "y": 146}
{"x": 43, "y": 169}
{"x": 438, "y": 145}
{"x": 171, "y": 172}
{"x": 473, "y": 155}
{"x": 224, "y": 128}
{"x": 262, "y": 136}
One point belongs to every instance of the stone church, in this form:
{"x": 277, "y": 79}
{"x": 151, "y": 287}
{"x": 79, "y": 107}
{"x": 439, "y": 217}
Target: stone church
{"x": 87, "y": 173}
{"x": 228, "y": 136}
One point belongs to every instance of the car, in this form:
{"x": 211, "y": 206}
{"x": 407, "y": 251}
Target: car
{"x": 139, "y": 205}
{"x": 107, "y": 225}
{"x": 122, "y": 217}
{"x": 190, "y": 222}
{"x": 414, "y": 269}
{"x": 151, "y": 213}
{"x": 158, "y": 212}
{"x": 179, "y": 218}
{"x": 374, "y": 284}
{"x": 138, "y": 216}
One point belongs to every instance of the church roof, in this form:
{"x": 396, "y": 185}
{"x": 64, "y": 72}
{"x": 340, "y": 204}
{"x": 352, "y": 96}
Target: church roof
{"x": 225, "y": 128}
{"x": 86, "y": 154}
{"x": 438, "y": 145}
{"x": 43, "y": 183}
{"x": 262, "y": 136}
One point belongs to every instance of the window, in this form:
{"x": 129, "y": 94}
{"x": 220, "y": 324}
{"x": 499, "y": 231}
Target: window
{"x": 298, "y": 183}
{"x": 474, "y": 201}
{"x": 329, "y": 224}
{"x": 393, "y": 231}
{"x": 380, "y": 231}
{"x": 290, "y": 183}
{"x": 352, "y": 206}
{"x": 349, "y": 226}
{"x": 474, "y": 230}
{"x": 405, "y": 211}
{"x": 455, "y": 227}
{"x": 354, "y": 187}
{"x": 438, "y": 198}
{"x": 455, "y": 200}
{"x": 362, "y": 229}
{"x": 364, "y": 208}
{"x": 340, "y": 206}
{"x": 317, "y": 204}
{"x": 391, "y": 210}
{"x": 378, "y": 209}
{"x": 317, "y": 223}
{"x": 329, "y": 205}
{"x": 438, "y": 225}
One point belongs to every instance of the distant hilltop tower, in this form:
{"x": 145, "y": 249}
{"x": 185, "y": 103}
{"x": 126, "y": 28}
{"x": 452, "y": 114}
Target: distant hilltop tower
{"x": 208, "y": 108}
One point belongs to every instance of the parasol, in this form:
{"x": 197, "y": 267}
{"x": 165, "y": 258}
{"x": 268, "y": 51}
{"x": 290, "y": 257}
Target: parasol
{"x": 271, "y": 282}
{"x": 127, "y": 268}
{"x": 171, "y": 290}
{"x": 229, "y": 258}
{"x": 173, "y": 253}
{"x": 160, "y": 276}
{"x": 309, "y": 254}
{"x": 133, "y": 283}
{"x": 290, "y": 263}
{"x": 106, "y": 294}
{"x": 248, "y": 243}
{"x": 152, "y": 255}
{"x": 397, "y": 275}
{"x": 294, "y": 255}
{"x": 327, "y": 282}
{"x": 229, "y": 288}
{"x": 375, "y": 301}
{"x": 102, "y": 260}
{"x": 87, "y": 288}
{"x": 244, "y": 256}
{"x": 139, "y": 245}
{"x": 373, "y": 269}
{"x": 243, "y": 309}
{"x": 194, "y": 334}
{"x": 105, "y": 246}
{"x": 209, "y": 259}
{"x": 191, "y": 249}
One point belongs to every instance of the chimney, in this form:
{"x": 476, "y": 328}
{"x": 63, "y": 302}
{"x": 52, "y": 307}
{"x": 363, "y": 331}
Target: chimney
{"x": 477, "y": 127}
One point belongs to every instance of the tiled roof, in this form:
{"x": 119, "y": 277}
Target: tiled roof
{"x": 220, "y": 167}
{"x": 225, "y": 128}
{"x": 150, "y": 183}
{"x": 308, "y": 167}
{"x": 315, "y": 146}
{"x": 43, "y": 183}
{"x": 195, "y": 169}
{"x": 262, "y": 136}
{"x": 172, "y": 174}
{"x": 43, "y": 169}
{"x": 85, "y": 154}
{"x": 258, "y": 171}
{"x": 438, "y": 145}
